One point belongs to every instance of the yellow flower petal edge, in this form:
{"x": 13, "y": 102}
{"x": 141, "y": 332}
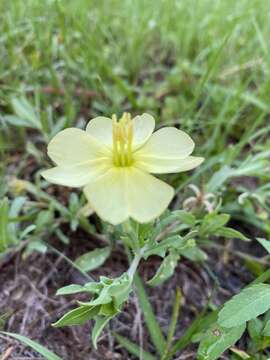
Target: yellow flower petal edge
{"x": 113, "y": 160}
{"x": 156, "y": 165}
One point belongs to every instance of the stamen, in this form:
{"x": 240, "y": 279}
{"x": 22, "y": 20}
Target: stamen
{"x": 122, "y": 140}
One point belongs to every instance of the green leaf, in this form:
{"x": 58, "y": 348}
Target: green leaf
{"x": 49, "y": 355}
{"x": 44, "y": 219}
{"x": 265, "y": 276}
{"x": 212, "y": 222}
{"x": 200, "y": 323}
{"x": 185, "y": 217}
{"x": 14, "y": 210}
{"x": 62, "y": 237}
{"x": 70, "y": 289}
{"x": 248, "y": 304}
{"x": 100, "y": 323}
{"x": 266, "y": 330}
{"x": 113, "y": 290}
{"x": 90, "y": 287}
{"x": 230, "y": 233}
{"x": 160, "y": 248}
{"x": 174, "y": 216}
{"x": 165, "y": 270}
{"x": 217, "y": 340}
{"x": 194, "y": 253}
{"x": 219, "y": 178}
{"x": 77, "y": 316}
{"x": 255, "y": 327}
{"x": 93, "y": 259}
{"x": 37, "y": 245}
{"x": 133, "y": 348}
{"x": 108, "y": 309}
{"x": 26, "y": 115}
{"x": 4, "y": 236}
{"x": 265, "y": 243}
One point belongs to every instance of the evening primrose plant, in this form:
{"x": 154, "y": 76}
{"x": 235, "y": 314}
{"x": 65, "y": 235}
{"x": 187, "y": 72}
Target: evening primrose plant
{"x": 113, "y": 161}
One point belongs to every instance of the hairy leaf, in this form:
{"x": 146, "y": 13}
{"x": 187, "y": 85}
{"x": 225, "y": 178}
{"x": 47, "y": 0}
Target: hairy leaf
{"x": 77, "y": 316}
{"x": 217, "y": 340}
{"x": 165, "y": 270}
{"x": 248, "y": 304}
{"x": 93, "y": 259}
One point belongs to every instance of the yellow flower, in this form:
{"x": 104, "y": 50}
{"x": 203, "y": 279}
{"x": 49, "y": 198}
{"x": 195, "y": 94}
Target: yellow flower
{"x": 113, "y": 160}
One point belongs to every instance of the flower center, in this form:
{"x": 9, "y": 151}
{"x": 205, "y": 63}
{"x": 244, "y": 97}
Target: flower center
{"x": 122, "y": 140}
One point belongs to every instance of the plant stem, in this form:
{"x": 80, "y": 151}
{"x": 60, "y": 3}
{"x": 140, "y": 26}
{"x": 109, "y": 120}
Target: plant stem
{"x": 72, "y": 263}
{"x": 149, "y": 316}
{"x": 135, "y": 262}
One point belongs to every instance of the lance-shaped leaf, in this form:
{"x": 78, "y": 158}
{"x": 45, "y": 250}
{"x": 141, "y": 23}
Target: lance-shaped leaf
{"x": 230, "y": 233}
{"x": 194, "y": 253}
{"x": 248, "y": 304}
{"x": 212, "y": 222}
{"x": 160, "y": 248}
{"x": 166, "y": 269}
{"x": 90, "y": 287}
{"x": 217, "y": 340}
{"x": 100, "y": 323}
{"x": 93, "y": 259}
{"x": 78, "y": 316}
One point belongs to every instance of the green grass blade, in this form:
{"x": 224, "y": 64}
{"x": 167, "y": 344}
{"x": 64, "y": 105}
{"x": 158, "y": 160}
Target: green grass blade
{"x": 201, "y": 322}
{"x": 265, "y": 276}
{"x": 4, "y": 238}
{"x": 150, "y": 319}
{"x": 175, "y": 315}
{"x": 49, "y": 355}
{"x": 133, "y": 348}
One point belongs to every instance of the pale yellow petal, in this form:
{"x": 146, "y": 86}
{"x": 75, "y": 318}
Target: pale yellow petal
{"x": 143, "y": 127}
{"x": 107, "y": 196}
{"x": 101, "y": 129}
{"x": 128, "y": 192}
{"x": 147, "y": 196}
{"x": 157, "y": 165}
{"x": 73, "y": 146}
{"x": 75, "y": 176}
{"x": 167, "y": 142}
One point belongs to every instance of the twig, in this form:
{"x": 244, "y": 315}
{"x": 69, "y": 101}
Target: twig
{"x": 241, "y": 255}
{"x": 7, "y": 353}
